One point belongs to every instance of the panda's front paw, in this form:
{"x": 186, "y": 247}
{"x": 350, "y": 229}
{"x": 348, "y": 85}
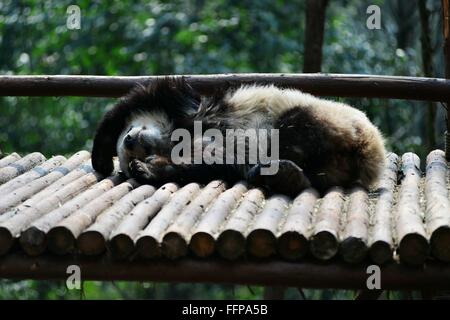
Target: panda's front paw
{"x": 140, "y": 170}
{"x": 287, "y": 177}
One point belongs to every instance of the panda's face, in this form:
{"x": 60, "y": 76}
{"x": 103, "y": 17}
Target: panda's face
{"x": 145, "y": 135}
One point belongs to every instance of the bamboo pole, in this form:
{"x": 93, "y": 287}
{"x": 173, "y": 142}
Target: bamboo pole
{"x": 13, "y": 157}
{"x": 15, "y": 208}
{"x": 261, "y": 239}
{"x": 11, "y": 228}
{"x": 74, "y": 168}
{"x": 62, "y": 237}
{"x": 203, "y": 240}
{"x": 176, "y": 238}
{"x": 34, "y": 173}
{"x": 22, "y": 165}
{"x": 92, "y": 241}
{"x": 339, "y": 85}
{"x": 148, "y": 240}
{"x": 353, "y": 247}
{"x": 437, "y": 214}
{"x": 324, "y": 241}
{"x": 381, "y": 241}
{"x": 413, "y": 245}
{"x": 295, "y": 232}
{"x": 122, "y": 239}
{"x": 231, "y": 241}
{"x": 43, "y": 187}
{"x": 37, "y": 236}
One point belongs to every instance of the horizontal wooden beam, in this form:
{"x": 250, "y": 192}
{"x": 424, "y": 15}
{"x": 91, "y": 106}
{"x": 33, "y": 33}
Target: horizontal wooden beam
{"x": 269, "y": 272}
{"x": 339, "y": 85}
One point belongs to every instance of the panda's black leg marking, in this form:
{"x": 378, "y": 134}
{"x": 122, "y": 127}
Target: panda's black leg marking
{"x": 101, "y": 164}
{"x": 289, "y": 179}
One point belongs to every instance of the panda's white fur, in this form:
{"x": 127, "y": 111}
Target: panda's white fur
{"x": 248, "y": 100}
{"x": 346, "y": 120}
{"x": 145, "y": 125}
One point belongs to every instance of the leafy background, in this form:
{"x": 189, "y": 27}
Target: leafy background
{"x": 192, "y": 37}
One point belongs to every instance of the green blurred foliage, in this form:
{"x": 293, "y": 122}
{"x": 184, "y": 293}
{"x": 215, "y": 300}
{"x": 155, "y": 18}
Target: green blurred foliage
{"x": 125, "y": 37}
{"x": 198, "y": 36}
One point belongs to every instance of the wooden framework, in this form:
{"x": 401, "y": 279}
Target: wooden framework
{"x": 306, "y": 274}
{"x": 58, "y": 212}
{"x": 353, "y": 249}
{"x": 339, "y": 85}
{"x": 414, "y": 240}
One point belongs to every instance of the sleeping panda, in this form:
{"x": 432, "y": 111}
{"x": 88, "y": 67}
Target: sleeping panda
{"x": 319, "y": 143}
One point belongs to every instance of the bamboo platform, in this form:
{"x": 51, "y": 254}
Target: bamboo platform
{"x": 60, "y": 209}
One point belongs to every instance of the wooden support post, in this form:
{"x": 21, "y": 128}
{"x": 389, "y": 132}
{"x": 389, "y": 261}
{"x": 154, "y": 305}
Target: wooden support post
{"x": 314, "y": 30}
{"x": 446, "y": 35}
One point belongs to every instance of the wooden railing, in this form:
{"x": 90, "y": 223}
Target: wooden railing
{"x": 339, "y": 85}
{"x": 273, "y": 272}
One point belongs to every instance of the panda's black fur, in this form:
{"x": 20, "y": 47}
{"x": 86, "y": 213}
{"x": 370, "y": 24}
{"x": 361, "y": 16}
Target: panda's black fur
{"x": 322, "y": 143}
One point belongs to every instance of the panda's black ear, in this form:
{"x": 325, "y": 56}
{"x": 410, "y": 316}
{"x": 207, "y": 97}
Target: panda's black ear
{"x": 175, "y": 96}
{"x": 104, "y": 148}
{"x": 106, "y": 136}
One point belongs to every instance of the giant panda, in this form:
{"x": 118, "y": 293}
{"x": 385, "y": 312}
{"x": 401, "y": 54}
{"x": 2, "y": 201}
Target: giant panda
{"x": 321, "y": 143}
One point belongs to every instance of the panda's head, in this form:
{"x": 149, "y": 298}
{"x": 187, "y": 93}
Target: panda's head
{"x": 140, "y": 124}
{"x": 147, "y": 134}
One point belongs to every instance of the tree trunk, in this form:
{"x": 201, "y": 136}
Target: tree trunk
{"x": 315, "y": 25}
{"x": 403, "y": 15}
{"x": 427, "y": 63}
{"x": 446, "y": 34}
